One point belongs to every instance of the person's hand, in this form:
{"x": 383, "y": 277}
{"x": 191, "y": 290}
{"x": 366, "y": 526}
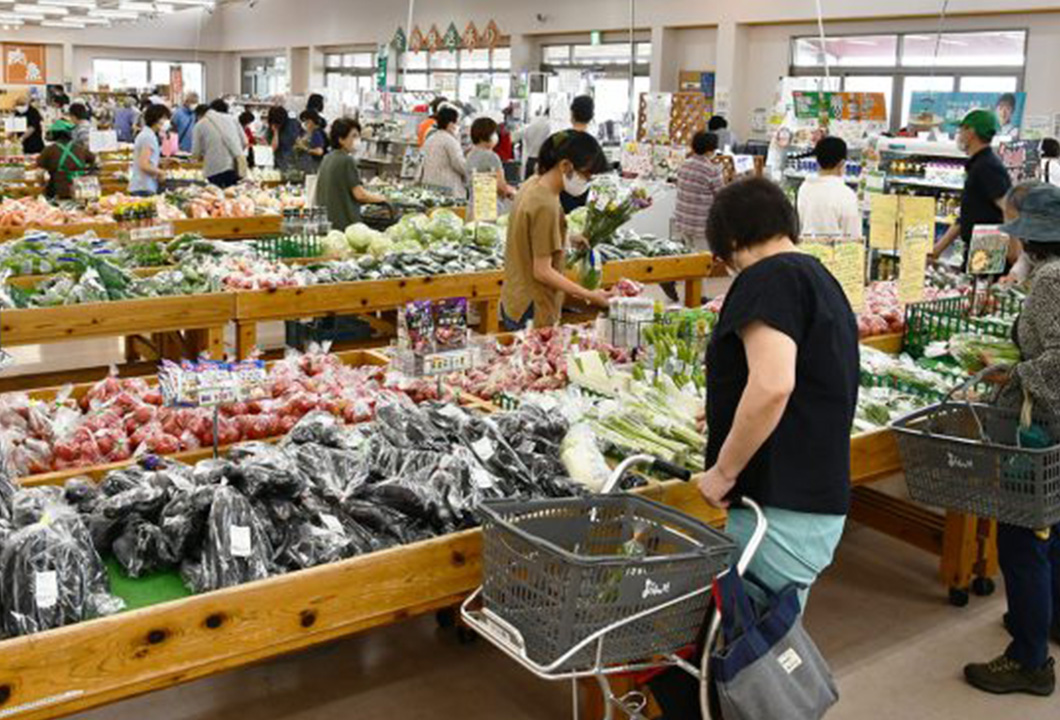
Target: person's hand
{"x": 600, "y": 298}
{"x": 714, "y": 486}
{"x": 701, "y": 421}
{"x": 579, "y": 241}
{"x": 1000, "y": 376}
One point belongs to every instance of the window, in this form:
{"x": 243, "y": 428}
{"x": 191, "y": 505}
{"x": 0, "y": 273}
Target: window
{"x": 612, "y": 53}
{"x": 459, "y": 72}
{"x": 146, "y": 74}
{"x": 191, "y": 75}
{"x": 860, "y": 51}
{"x": 350, "y": 73}
{"x": 970, "y": 49}
{"x": 898, "y": 65}
{"x": 605, "y": 73}
{"x": 263, "y": 76}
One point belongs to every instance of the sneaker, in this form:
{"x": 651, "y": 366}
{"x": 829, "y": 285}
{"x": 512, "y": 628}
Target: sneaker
{"x": 1054, "y": 631}
{"x": 1004, "y": 675}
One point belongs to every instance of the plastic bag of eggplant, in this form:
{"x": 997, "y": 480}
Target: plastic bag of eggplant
{"x": 326, "y": 493}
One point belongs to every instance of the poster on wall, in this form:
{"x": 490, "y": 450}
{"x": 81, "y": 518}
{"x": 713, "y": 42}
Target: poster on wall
{"x": 176, "y": 85}
{"x": 854, "y": 106}
{"x": 24, "y": 64}
{"x": 946, "y": 110}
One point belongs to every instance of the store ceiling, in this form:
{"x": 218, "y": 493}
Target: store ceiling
{"x": 77, "y": 14}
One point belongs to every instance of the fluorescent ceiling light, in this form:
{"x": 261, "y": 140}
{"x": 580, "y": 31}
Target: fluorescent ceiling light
{"x": 113, "y": 14}
{"x": 69, "y": 3}
{"x": 89, "y": 20}
{"x": 62, "y": 24}
{"x": 24, "y": 8}
{"x": 146, "y": 7}
{"x": 193, "y": 3}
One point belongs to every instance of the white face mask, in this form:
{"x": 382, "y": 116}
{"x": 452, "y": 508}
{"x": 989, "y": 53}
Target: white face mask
{"x": 21, "y": 108}
{"x": 494, "y": 139}
{"x": 166, "y": 125}
{"x": 355, "y": 146}
{"x": 575, "y": 185}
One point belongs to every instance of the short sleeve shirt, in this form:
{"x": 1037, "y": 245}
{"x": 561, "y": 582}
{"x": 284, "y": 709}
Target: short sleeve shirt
{"x": 536, "y": 228}
{"x": 804, "y": 466}
{"x": 337, "y": 178}
{"x": 140, "y": 181}
{"x": 986, "y": 182}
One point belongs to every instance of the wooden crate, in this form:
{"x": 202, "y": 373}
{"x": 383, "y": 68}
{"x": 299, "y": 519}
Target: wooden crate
{"x": 890, "y": 344}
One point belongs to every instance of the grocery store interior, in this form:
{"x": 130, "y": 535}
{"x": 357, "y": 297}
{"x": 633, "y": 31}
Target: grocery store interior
{"x": 642, "y": 359}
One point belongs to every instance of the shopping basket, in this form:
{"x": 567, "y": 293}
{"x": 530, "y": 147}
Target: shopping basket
{"x": 974, "y": 458}
{"x": 557, "y": 572}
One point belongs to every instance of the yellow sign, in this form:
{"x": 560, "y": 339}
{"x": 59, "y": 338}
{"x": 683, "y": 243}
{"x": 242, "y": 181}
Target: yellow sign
{"x": 848, "y": 267}
{"x": 484, "y": 196}
{"x": 883, "y": 222}
{"x": 916, "y": 217}
{"x": 914, "y": 253}
{"x": 823, "y": 251}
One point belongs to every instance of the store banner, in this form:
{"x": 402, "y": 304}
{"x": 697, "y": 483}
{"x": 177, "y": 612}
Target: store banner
{"x": 946, "y": 110}
{"x": 176, "y": 85}
{"x": 24, "y": 64}
{"x": 856, "y": 106}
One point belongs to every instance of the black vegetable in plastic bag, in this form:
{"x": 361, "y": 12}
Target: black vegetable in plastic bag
{"x": 183, "y": 522}
{"x": 263, "y": 469}
{"x": 237, "y": 548}
{"x": 28, "y": 506}
{"x": 142, "y": 548}
{"x": 81, "y": 494}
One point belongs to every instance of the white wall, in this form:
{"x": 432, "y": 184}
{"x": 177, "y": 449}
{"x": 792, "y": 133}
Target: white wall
{"x": 84, "y": 55}
{"x": 696, "y": 49}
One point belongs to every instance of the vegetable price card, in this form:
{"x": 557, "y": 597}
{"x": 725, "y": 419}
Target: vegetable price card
{"x": 914, "y": 254}
{"x": 988, "y": 252}
{"x": 883, "y": 221}
{"x": 484, "y": 196}
{"x": 848, "y": 266}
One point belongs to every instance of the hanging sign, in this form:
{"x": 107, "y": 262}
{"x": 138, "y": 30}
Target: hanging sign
{"x": 103, "y": 141}
{"x": 416, "y": 41}
{"x": 24, "y": 64}
{"x": 452, "y": 38}
{"x": 434, "y": 39}
{"x": 988, "y": 252}
{"x": 399, "y": 42}
{"x": 840, "y": 106}
{"x": 176, "y": 85}
{"x": 491, "y": 36}
{"x": 914, "y": 253}
{"x": 484, "y": 196}
{"x": 471, "y": 38}
{"x": 382, "y": 65}
{"x": 845, "y": 259}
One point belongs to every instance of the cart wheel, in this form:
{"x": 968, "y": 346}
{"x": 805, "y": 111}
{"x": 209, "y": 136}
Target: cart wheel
{"x": 983, "y": 586}
{"x": 446, "y": 618}
{"x": 465, "y": 635}
{"x": 958, "y": 597}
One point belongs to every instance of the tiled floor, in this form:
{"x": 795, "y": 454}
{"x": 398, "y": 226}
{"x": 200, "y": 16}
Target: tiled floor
{"x": 879, "y": 616}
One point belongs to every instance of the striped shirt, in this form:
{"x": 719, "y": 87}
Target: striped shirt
{"x": 444, "y": 167}
{"x": 698, "y": 181}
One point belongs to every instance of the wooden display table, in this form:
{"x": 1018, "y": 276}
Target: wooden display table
{"x": 211, "y": 228}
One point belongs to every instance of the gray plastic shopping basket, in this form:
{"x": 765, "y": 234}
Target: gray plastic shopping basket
{"x": 560, "y": 570}
{"x": 967, "y": 457}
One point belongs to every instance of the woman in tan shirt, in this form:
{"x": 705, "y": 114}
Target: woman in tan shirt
{"x": 534, "y": 283}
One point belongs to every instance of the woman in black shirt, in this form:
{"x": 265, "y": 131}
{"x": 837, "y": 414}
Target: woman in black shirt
{"x": 33, "y": 138}
{"x": 782, "y": 386}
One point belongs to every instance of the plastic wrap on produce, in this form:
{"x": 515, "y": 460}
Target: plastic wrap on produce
{"x": 184, "y": 520}
{"x": 142, "y": 548}
{"x": 236, "y": 549}
{"x": 82, "y": 494}
{"x": 264, "y": 469}
{"x": 51, "y": 575}
{"x": 582, "y": 459}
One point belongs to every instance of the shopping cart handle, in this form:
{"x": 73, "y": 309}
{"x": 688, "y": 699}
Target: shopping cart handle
{"x": 669, "y": 469}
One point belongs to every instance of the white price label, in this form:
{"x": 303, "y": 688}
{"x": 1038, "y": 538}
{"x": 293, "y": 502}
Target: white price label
{"x": 46, "y": 589}
{"x": 451, "y": 411}
{"x": 484, "y": 448}
{"x": 331, "y": 522}
{"x": 240, "y": 541}
{"x": 15, "y": 125}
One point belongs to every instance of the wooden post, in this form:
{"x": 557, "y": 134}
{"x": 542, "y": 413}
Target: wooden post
{"x": 214, "y": 342}
{"x": 246, "y": 338}
{"x": 960, "y": 550}
{"x": 491, "y": 317}
{"x": 693, "y": 292}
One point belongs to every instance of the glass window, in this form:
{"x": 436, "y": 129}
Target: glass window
{"x": 609, "y": 54}
{"x": 417, "y": 81}
{"x": 872, "y": 84}
{"x": 809, "y": 83}
{"x": 853, "y": 51}
{"x": 474, "y": 59}
{"x": 644, "y": 52}
{"x": 332, "y": 60}
{"x": 122, "y": 74}
{"x": 922, "y": 83}
{"x": 415, "y": 61}
{"x": 972, "y": 49}
{"x": 556, "y": 54}
{"x": 502, "y": 58}
{"x": 443, "y": 60}
{"x": 612, "y": 98}
{"x": 989, "y": 83}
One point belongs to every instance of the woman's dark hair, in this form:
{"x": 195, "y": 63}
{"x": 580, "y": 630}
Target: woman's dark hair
{"x": 830, "y": 151}
{"x": 220, "y": 106}
{"x": 341, "y": 129}
{"x": 482, "y": 130}
{"x": 200, "y": 111}
{"x": 1040, "y": 252}
{"x": 315, "y": 102}
{"x": 717, "y": 122}
{"x": 312, "y": 116}
{"x": 436, "y": 105}
{"x": 704, "y": 142}
{"x": 155, "y": 114}
{"x": 580, "y": 148}
{"x": 747, "y": 213}
{"x": 446, "y": 116}
{"x": 80, "y": 111}
{"x": 278, "y": 116}
{"x": 1050, "y": 148}
{"x": 246, "y": 117}
{"x": 583, "y": 109}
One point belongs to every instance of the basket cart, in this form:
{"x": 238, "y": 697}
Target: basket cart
{"x": 596, "y": 587}
{"x": 992, "y": 463}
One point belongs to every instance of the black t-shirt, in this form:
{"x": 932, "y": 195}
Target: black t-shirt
{"x": 805, "y": 464}
{"x": 35, "y": 143}
{"x": 986, "y": 182}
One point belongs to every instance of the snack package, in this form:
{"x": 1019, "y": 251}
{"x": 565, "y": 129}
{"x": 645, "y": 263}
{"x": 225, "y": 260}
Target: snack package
{"x": 416, "y": 327}
{"x": 450, "y": 324}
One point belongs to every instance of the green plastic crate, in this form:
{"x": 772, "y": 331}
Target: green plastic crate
{"x": 939, "y": 320}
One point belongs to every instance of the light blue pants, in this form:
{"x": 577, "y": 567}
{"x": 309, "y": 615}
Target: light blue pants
{"x": 796, "y": 549}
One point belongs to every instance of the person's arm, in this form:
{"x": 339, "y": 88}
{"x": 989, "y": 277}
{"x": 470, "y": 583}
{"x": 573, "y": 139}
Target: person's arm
{"x": 143, "y": 161}
{"x": 503, "y": 188}
{"x": 274, "y": 143}
{"x": 771, "y": 360}
{"x": 853, "y": 227}
{"x": 456, "y": 158}
{"x": 947, "y": 239}
{"x": 367, "y": 198}
{"x": 1038, "y": 375}
{"x": 545, "y": 274}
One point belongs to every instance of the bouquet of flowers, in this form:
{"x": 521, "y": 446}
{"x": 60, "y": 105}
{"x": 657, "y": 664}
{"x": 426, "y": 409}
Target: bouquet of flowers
{"x": 612, "y": 204}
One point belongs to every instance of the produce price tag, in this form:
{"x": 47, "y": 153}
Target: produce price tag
{"x": 331, "y": 522}
{"x": 988, "y": 252}
{"x": 263, "y": 156}
{"x": 914, "y": 255}
{"x": 6, "y": 360}
{"x": 240, "y": 541}
{"x": 883, "y": 222}
{"x": 210, "y": 382}
{"x": 103, "y": 141}
{"x": 447, "y": 362}
{"x": 15, "y": 125}
{"x": 46, "y": 589}
{"x": 848, "y": 267}
{"x": 484, "y": 196}
{"x": 484, "y": 448}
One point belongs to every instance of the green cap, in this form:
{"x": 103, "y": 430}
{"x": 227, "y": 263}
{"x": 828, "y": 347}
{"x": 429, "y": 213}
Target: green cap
{"x": 983, "y": 122}
{"x": 61, "y": 126}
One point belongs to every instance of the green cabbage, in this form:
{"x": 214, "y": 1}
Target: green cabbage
{"x": 445, "y": 226}
{"x": 335, "y": 245}
{"x": 360, "y": 237}
{"x": 482, "y": 234}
